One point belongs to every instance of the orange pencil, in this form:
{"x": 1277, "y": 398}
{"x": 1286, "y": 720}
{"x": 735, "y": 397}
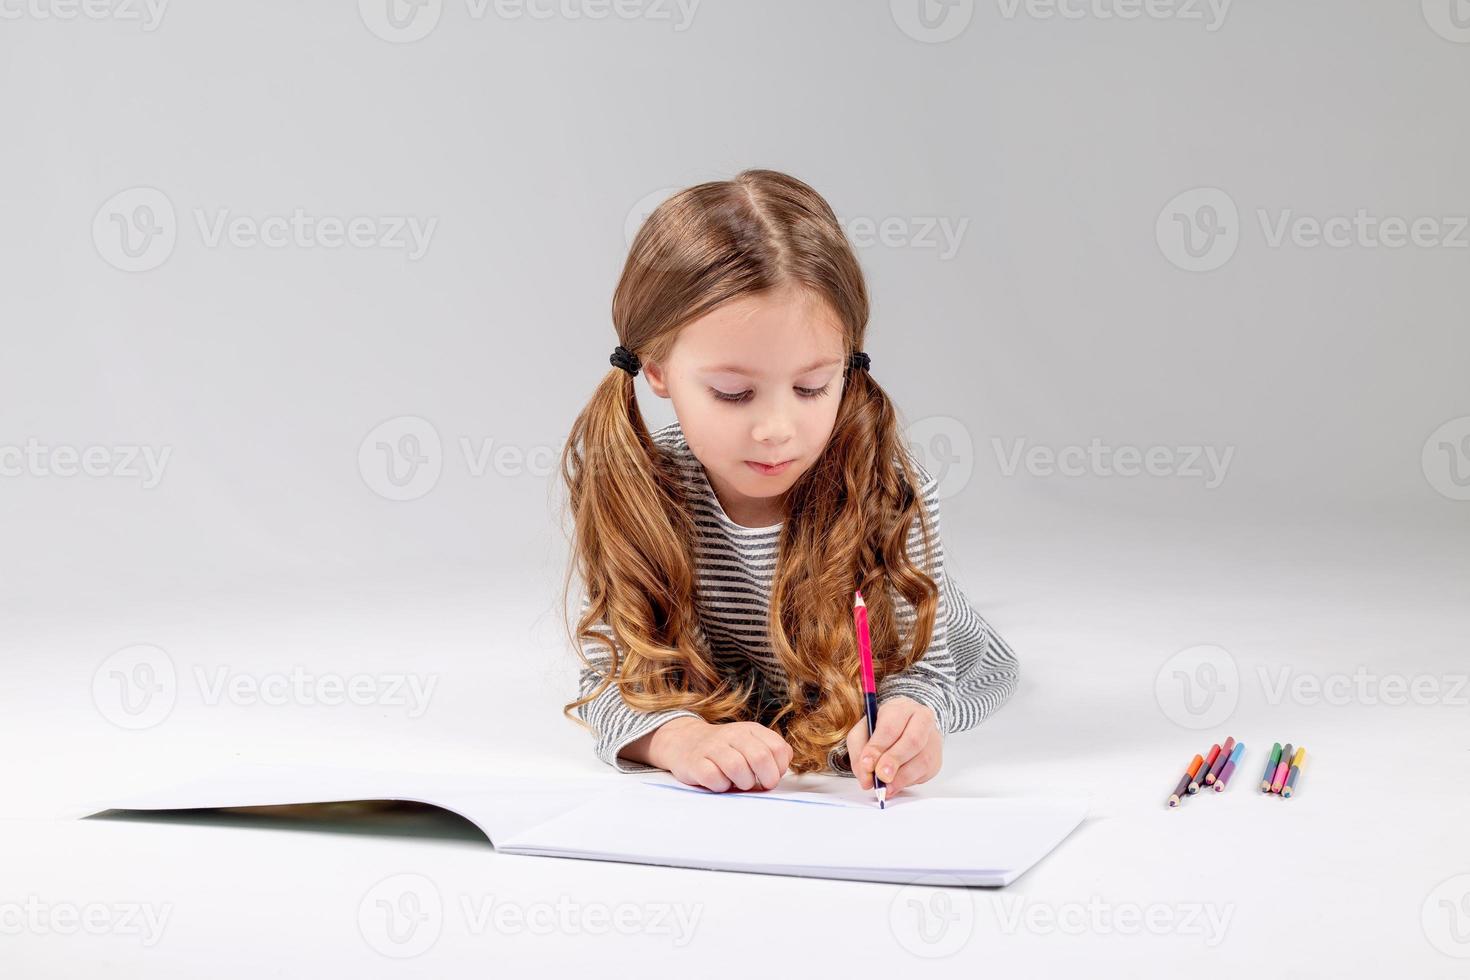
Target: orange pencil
{"x": 1194, "y": 767}
{"x": 1199, "y": 777}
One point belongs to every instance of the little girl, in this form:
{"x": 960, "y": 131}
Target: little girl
{"x": 720, "y": 554}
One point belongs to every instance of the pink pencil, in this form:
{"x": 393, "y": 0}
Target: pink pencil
{"x": 1282, "y": 768}
{"x": 870, "y": 696}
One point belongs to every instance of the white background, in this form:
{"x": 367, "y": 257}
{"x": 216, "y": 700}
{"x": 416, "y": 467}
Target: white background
{"x": 1064, "y": 152}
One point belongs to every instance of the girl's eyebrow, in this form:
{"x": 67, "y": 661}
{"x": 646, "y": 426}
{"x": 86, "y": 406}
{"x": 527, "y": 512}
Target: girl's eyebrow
{"x": 746, "y": 372}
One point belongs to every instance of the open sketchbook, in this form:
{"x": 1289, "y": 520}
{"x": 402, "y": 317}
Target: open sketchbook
{"x": 829, "y": 828}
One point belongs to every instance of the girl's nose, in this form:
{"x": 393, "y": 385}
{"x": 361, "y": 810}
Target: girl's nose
{"x": 774, "y": 429}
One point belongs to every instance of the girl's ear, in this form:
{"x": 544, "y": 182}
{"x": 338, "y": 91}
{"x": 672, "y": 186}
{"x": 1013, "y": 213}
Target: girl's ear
{"x": 654, "y": 372}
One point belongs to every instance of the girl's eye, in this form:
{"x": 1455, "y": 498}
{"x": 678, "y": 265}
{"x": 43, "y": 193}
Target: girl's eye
{"x": 741, "y": 396}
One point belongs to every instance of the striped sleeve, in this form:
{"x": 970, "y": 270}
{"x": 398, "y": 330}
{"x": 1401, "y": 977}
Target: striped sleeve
{"x": 613, "y": 722}
{"x": 930, "y": 680}
{"x": 968, "y": 671}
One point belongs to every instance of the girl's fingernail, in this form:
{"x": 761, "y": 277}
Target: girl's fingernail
{"x": 887, "y": 772}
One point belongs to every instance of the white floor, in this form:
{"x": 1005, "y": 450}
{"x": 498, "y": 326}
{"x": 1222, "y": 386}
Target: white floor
{"x": 1365, "y": 873}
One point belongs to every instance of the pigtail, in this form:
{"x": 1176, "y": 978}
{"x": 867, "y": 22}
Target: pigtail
{"x": 632, "y": 548}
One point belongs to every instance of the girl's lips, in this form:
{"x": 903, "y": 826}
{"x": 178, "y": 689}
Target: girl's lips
{"x": 765, "y": 470}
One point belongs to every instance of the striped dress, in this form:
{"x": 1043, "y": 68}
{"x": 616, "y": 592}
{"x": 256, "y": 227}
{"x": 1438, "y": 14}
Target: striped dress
{"x": 967, "y": 672}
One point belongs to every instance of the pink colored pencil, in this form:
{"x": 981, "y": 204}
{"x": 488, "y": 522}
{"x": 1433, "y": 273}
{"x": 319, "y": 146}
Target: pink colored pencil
{"x": 1282, "y": 768}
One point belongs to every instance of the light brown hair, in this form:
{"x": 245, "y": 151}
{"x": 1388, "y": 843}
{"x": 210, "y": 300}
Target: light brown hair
{"x": 848, "y": 516}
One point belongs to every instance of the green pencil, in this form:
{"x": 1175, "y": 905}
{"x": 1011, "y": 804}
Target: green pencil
{"x": 1271, "y": 767}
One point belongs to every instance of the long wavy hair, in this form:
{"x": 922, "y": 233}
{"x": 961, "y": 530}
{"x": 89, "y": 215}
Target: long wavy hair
{"x": 848, "y": 516}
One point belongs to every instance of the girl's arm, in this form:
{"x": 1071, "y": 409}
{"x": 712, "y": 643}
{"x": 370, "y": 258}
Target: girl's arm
{"x": 614, "y": 724}
{"x": 968, "y": 671}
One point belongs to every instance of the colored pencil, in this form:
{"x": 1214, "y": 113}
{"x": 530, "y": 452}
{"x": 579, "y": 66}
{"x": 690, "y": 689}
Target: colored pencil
{"x": 1296, "y": 768}
{"x": 1194, "y": 767}
{"x": 1282, "y": 767}
{"x": 1219, "y": 763}
{"x": 1199, "y": 777}
{"x": 1229, "y": 767}
{"x": 870, "y": 695}
{"x": 1271, "y": 767}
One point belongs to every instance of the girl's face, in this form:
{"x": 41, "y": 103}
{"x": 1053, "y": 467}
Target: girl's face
{"x": 756, "y": 381}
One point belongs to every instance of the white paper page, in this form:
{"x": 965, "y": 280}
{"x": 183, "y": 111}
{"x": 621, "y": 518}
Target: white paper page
{"x": 977, "y": 841}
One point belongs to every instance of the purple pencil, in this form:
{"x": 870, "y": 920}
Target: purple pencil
{"x": 1229, "y": 768}
{"x": 1214, "y": 772}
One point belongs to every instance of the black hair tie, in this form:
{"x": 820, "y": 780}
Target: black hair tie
{"x": 625, "y": 359}
{"x": 628, "y": 361}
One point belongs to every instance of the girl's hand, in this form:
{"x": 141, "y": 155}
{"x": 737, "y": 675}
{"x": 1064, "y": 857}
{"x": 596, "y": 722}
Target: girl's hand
{"x": 731, "y": 755}
{"x": 906, "y": 748}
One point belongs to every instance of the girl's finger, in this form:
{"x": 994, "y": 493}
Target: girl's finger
{"x": 733, "y": 764}
{"x": 908, "y": 745}
{"x": 762, "y": 762}
{"x": 780, "y": 751}
{"x": 891, "y": 719}
{"x": 910, "y": 773}
{"x": 709, "y": 775}
{"x": 920, "y": 769}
